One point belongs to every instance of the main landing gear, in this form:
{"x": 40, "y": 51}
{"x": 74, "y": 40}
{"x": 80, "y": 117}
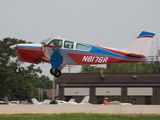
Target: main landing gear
{"x": 55, "y": 72}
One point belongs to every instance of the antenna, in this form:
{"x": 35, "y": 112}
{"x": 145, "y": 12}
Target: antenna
{"x": 58, "y": 35}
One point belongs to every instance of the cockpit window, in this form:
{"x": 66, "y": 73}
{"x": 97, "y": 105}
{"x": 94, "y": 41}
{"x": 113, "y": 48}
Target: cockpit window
{"x": 56, "y": 42}
{"x": 45, "y": 41}
{"x": 68, "y": 44}
{"x": 82, "y": 47}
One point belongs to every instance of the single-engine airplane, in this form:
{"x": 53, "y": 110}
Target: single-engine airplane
{"x": 60, "y": 52}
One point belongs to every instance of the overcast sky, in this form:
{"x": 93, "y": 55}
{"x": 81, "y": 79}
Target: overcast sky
{"x": 110, "y": 23}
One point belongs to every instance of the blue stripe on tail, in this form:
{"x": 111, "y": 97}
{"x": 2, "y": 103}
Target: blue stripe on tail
{"x": 144, "y": 33}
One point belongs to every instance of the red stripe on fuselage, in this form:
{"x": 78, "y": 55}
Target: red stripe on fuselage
{"x": 90, "y": 58}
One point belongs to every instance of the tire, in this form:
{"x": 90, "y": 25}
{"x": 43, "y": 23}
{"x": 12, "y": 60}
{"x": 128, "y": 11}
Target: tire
{"x": 55, "y": 72}
{"x": 52, "y": 71}
{"x": 17, "y": 70}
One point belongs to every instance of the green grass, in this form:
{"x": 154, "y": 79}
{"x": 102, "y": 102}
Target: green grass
{"x": 79, "y": 116}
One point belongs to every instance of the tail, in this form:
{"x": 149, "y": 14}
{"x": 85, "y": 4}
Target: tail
{"x": 85, "y": 100}
{"x": 142, "y": 44}
{"x": 71, "y": 100}
{"x": 34, "y": 101}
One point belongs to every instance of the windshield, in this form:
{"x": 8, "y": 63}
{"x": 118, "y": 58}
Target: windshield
{"x": 45, "y": 41}
{"x": 55, "y": 42}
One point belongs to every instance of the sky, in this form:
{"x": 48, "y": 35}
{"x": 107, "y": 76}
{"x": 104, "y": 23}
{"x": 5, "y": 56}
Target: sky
{"x": 110, "y": 23}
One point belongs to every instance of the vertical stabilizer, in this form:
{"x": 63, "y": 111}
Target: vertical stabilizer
{"x": 34, "y": 101}
{"x": 142, "y": 44}
{"x": 71, "y": 100}
{"x": 85, "y": 100}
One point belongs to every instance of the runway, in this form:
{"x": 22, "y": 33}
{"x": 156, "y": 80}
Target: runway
{"x": 111, "y": 109}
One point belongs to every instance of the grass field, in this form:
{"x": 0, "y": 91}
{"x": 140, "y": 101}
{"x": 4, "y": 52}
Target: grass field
{"x": 79, "y": 116}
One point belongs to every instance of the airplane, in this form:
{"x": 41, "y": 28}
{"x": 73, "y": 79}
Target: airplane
{"x": 46, "y": 101}
{"x": 14, "y": 102}
{"x": 85, "y": 101}
{"x": 35, "y": 101}
{"x": 71, "y": 101}
{"x": 60, "y": 52}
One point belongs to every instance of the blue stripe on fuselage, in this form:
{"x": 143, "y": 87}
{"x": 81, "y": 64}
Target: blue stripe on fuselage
{"x": 96, "y": 50}
{"x": 28, "y": 46}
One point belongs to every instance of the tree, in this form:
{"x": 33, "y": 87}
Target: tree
{"x": 90, "y": 69}
{"x": 44, "y": 82}
{"x": 120, "y": 68}
{"x": 19, "y": 86}
{"x": 143, "y": 67}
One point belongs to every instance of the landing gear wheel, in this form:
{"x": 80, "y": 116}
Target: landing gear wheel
{"x": 58, "y": 73}
{"x": 55, "y": 72}
{"x": 17, "y": 70}
{"x": 52, "y": 71}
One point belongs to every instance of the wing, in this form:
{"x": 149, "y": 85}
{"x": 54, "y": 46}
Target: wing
{"x": 57, "y": 57}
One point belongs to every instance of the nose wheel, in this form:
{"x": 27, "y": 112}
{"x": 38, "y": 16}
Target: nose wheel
{"x": 55, "y": 72}
{"x": 17, "y": 70}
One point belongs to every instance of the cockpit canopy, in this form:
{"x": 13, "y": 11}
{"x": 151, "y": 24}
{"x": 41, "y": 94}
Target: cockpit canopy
{"x": 55, "y": 42}
{"x": 65, "y": 44}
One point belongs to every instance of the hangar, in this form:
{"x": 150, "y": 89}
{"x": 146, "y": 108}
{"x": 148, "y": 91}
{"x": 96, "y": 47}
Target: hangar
{"x": 135, "y": 88}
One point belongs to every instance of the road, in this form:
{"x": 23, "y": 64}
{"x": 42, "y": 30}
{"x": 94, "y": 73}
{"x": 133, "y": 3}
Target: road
{"x": 111, "y": 109}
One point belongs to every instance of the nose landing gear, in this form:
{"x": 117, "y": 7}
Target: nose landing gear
{"x": 18, "y": 69}
{"x": 55, "y": 72}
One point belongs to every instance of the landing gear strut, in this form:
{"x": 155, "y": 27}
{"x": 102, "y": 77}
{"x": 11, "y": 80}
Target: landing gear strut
{"x": 55, "y": 72}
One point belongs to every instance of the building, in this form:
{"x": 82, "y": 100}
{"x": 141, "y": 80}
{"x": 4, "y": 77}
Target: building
{"x": 135, "y": 88}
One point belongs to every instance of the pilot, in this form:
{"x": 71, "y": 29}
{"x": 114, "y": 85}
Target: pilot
{"x": 67, "y": 46}
{"x": 56, "y": 43}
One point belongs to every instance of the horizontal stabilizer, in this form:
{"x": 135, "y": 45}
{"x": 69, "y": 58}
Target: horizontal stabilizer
{"x": 135, "y": 55}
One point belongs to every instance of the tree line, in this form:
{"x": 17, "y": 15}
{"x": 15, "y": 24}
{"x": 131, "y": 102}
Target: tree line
{"x": 21, "y": 86}
{"x": 151, "y": 66}
{"x": 145, "y": 67}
